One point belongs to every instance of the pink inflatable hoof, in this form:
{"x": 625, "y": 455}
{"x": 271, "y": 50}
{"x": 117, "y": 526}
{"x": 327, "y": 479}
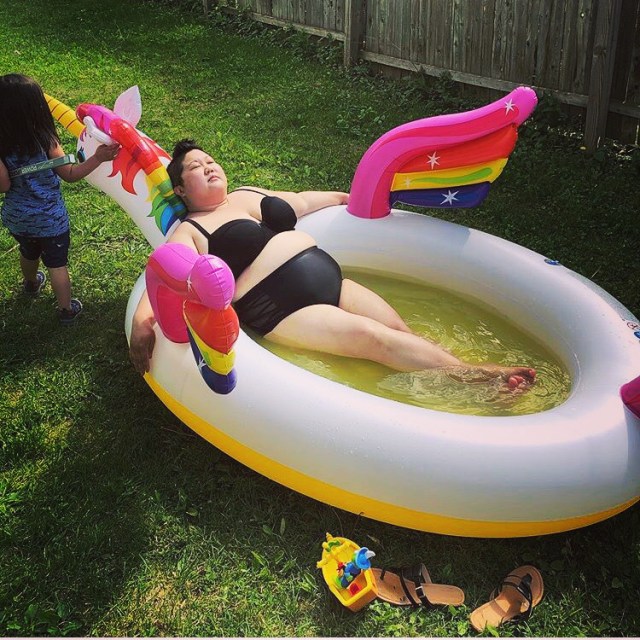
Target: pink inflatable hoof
{"x": 212, "y": 281}
{"x": 170, "y": 264}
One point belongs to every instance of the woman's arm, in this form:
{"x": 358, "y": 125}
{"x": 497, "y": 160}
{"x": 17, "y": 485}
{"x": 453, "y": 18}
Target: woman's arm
{"x": 304, "y": 202}
{"x": 184, "y": 234}
{"x": 5, "y": 181}
{"x": 75, "y": 172}
{"x": 143, "y": 336}
{"x": 310, "y": 201}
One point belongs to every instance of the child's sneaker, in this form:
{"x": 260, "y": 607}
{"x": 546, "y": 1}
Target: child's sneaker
{"x": 68, "y": 316}
{"x": 33, "y": 289}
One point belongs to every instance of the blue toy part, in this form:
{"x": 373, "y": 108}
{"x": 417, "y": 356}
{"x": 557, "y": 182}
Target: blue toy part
{"x": 361, "y": 560}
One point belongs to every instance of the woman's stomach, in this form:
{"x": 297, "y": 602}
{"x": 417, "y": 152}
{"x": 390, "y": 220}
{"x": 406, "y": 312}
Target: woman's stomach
{"x": 278, "y": 250}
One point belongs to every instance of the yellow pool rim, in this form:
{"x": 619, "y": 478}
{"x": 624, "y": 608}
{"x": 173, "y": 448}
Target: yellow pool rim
{"x": 368, "y": 507}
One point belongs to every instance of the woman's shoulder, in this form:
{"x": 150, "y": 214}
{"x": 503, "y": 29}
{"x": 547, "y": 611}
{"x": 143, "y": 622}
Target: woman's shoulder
{"x": 185, "y": 230}
{"x": 246, "y": 191}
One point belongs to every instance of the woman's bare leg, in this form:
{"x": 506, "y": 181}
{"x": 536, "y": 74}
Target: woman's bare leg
{"x": 333, "y": 330}
{"x": 357, "y": 299}
{"x": 366, "y": 326}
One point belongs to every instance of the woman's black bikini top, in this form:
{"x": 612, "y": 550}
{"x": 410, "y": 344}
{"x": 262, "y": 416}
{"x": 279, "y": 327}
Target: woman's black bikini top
{"x": 239, "y": 242}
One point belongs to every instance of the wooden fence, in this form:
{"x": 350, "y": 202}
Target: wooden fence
{"x": 585, "y": 52}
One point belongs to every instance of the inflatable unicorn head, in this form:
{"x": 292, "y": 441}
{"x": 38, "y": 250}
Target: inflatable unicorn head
{"x": 137, "y": 178}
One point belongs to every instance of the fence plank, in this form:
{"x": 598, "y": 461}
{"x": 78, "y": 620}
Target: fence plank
{"x": 607, "y": 23}
{"x": 569, "y": 45}
{"x": 297, "y": 14}
{"x": 470, "y": 56}
{"x": 458, "y": 17}
{"x": 584, "y": 41}
{"x": 314, "y": 12}
{"x": 328, "y": 14}
{"x": 518, "y": 47}
{"x": 486, "y": 43}
{"x": 500, "y": 18}
{"x": 556, "y": 37}
{"x": 395, "y": 28}
{"x": 439, "y": 53}
{"x": 426, "y": 15}
{"x": 265, "y": 7}
{"x": 341, "y": 12}
{"x": 541, "y": 35}
{"x": 354, "y": 16}
{"x": 626, "y": 79}
{"x": 371, "y": 31}
{"x": 382, "y": 25}
{"x": 416, "y": 43}
{"x": 278, "y": 9}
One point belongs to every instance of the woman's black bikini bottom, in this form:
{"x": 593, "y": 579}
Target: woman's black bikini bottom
{"x": 311, "y": 277}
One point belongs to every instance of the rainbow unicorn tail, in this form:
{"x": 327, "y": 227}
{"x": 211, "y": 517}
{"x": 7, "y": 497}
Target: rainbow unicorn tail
{"x": 442, "y": 161}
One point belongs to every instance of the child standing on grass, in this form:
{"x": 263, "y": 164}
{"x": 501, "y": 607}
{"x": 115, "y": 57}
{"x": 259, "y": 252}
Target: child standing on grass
{"x": 33, "y": 209}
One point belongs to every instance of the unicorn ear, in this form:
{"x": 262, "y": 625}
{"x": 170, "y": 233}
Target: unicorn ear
{"x": 129, "y": 105}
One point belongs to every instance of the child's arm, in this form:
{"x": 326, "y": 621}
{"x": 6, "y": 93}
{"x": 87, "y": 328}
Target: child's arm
{"x": 5, "y": 181}
{"x": 75, "y": 172}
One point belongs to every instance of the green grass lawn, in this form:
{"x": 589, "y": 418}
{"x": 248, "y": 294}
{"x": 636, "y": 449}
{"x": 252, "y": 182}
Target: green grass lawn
{"x": 117, "y": 520}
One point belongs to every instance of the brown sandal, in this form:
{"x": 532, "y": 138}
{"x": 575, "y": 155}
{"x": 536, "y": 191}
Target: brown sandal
{"x": 413, "y": 586}
{"x": 513, "y": 600}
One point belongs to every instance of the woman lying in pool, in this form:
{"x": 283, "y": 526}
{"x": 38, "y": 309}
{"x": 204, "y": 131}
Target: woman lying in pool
{"x": 288, "y": 289}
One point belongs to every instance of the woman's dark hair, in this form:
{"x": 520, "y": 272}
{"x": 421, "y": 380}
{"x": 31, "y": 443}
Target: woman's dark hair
{"x": 174, "y": 168}
{"x": 26, "y": 124}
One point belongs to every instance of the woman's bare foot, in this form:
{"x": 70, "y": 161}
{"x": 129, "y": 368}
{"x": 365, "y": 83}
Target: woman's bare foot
{"x": 515, "y": 377}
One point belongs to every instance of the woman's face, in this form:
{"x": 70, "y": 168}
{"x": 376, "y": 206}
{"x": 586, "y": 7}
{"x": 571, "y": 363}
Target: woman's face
{"x": 204, "y": 182}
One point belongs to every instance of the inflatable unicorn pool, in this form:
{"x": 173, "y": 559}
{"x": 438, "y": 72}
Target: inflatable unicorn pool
{"x": 552, "y": 471}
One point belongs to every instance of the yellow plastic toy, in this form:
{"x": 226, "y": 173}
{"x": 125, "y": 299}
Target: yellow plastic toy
{"x": 346, "y": 568}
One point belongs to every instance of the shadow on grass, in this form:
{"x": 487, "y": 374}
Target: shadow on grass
{"x": 119, "y": 491}
{"x": 114, "y": 490}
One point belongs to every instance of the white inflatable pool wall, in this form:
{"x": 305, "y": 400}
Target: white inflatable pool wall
{"x": 462, "y": 475}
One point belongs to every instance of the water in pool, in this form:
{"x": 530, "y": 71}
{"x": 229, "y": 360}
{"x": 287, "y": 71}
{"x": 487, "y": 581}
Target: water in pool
{"x": 469, "y": 330}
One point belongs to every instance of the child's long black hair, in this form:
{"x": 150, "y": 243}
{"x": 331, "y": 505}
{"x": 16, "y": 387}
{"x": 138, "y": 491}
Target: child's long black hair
{"x": 26, "y": 124}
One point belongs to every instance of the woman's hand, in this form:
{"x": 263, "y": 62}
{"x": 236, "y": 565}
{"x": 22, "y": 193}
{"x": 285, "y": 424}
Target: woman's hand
{"x": 142, "y": 342}
{"x": 143, "y": 336}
